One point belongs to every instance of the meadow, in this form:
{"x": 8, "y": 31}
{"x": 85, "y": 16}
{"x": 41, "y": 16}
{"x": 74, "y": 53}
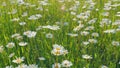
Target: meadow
{"x": 59, "y": 33}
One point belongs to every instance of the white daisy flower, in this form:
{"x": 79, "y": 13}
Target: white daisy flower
{"x": 22, "y": 66}
{"x": 22, "y": 23}
{"x": 66, "y": 63}
{"x": 49, "y": 35}
{"x": 33, "y": 66}
{"x": 23, "y": 43}
{"x": 56, "y": 65}
{"x": 18, "y": 60}
{"x": 30, "y": 34}
{"x": 86, "y": 57}
{"x": 10, "y": 45}
{"x": 11, "y": 55}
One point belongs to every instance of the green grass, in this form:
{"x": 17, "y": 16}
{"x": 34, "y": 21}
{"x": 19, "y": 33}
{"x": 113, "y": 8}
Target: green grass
{"x": 103, "y": 52}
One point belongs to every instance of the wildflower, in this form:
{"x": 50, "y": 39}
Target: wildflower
{"x": 18, "y": 60}
{"x": 95, "y": 34}
{"x": 85, "y": 43}
{"x": 15, "y": 19}
{"x": 56, "y": 65}
{"x": 17, "y": 36}
{"x": 115, "y": 43}
{"x": 4, "y": 4}
{"x": 10, "y": 45}
{"x": 33, "y": 66}
{"x": 119, "y": 62}
{"x": 11, "y": 55}
{"x": 30, "y": 34}
{"x": 92, "y": 21}
{"x": 44, "y": 3}
{"x": 61, "y": 1}
{"x": 118, "y": 15}
{"x": 89, "y": 28}
{"x": 41, "y": 58}
{"x": 103, "y": 66}
{"x": 49, "y": 35}
{"x": 110, "y": 31}
{"x": 54, "y": 27}
{"x": 63, "y": 7}
{"x": 66, "y": 63}
{"x": 107, "y": 6}
{"x": 73, "y": 13}
{"x": 92, "y": 40}
{"x": 105, "y": 13}
{"x": 65, "y": 52}
{"x": 9, "y": 66}
{"x": 24, "y": 14}
{"x": 97, "y": 9}
{"x": 38, "y": 15}
{"x": 72, "y": 35}
{"x": 14, "y": 11}
{"x": 35, "y": 17}
{"x": 80, "y": 26}
{"x": 105, "y": 22}
{"x": 66, "y": 23}
{"x": 20, "y": 2}
{"x": 74, "y": 19}
{"x": 86, "y": 57}
{"x": 117, "y": 22}
{"x": 22, "y": 23}
{"x": 23, "y": 43}
{"x": 32, "y": 17}
{"x": 22, "y": 66}
{"x": 85, "y": 33}
{"x": 58, "y": 50}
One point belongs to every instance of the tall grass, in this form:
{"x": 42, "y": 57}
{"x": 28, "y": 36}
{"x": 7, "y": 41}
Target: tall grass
{"x": 103, "y": 52}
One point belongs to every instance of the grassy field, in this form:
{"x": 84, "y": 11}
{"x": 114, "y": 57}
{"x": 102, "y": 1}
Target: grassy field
{"x": 60, "y": 34}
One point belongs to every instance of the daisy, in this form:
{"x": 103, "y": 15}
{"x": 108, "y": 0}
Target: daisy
{"x": 9, "y": 66}
{"x": 115, "y": 43}
{"x": 18, "y": 60}
{"x": 86, "y": 57}
{"x": 23, "y": 43}
{"x": 49, "y": 35}
{"x": 72, "y": 35}
{"x": 103, "y": 66}
{"x": 22, "y": 66}
{"x": 85, "y": 43}
{"x": 84, "y": 33}
{"x": 77, "y": 28}
{"x": 58, "y": 50}
{"x": 20, "y": 1}
{"x": 56, "y": 65}
{"x": 11, "y": 55}
{"x": 22, "y": 23}
{"x": 92, "y": 40}
{"x": 110, "y": 31}
{"x": 33, "y": 66}
{"x": 66, "y": 63}
{"x": 10, "y": 45}
{"x": 17, "y": 36}
{"x": 54, "y": 27}
{"x": 95, "y": 34}
{"x": 30, "y": 34}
